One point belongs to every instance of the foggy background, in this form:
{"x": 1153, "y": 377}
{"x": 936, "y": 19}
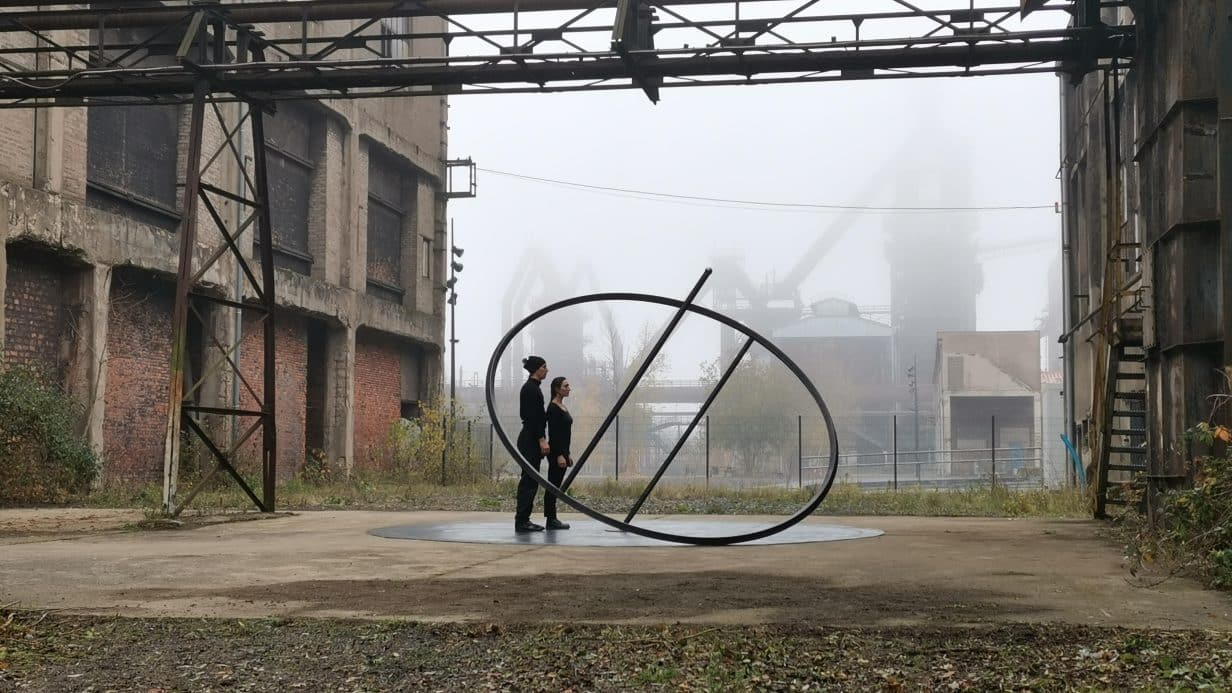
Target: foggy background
{"x": 941, "y": 191}
{"x": 924, "y": 143}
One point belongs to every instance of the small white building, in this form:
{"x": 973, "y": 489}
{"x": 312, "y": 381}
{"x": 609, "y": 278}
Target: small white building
{"x": 989, "y": 396}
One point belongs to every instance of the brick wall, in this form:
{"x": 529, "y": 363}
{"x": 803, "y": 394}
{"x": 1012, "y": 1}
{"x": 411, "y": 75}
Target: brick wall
{"x": 291, "y": 376}
{"x": 378, "y": 395}
{"x": 138, "y": 371}
{"x": 35, "y": 316}
{"x": 17, "y": 146}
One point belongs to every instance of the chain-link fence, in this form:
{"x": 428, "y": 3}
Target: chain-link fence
{"x": 876, "y": 451}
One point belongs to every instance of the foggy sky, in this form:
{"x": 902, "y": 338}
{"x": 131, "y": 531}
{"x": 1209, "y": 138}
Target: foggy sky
{"x": 842, "y": 143}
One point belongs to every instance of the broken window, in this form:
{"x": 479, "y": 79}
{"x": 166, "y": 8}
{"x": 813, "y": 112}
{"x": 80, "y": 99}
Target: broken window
{"x": 290, "y": 168}
{"x": 388, "y": 212}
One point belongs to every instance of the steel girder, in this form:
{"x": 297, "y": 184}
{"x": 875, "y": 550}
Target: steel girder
{"x": 333, "y": 49}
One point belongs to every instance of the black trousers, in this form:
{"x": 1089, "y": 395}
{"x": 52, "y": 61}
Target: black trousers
{"x": 528, "y": 445}
{"x": 556, "y": 475}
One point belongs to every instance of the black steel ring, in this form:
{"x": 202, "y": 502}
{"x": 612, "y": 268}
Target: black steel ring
{"x": 551, "y": 488}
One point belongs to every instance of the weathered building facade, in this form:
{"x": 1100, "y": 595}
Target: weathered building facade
{"x": 1147, "y": 259}
{"x": 90, "y": 205}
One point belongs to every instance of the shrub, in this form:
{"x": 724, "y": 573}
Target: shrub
{"x": 42, "y": 457}
{"x": 1191, "y": 530}
{"x": 413, "y": 447}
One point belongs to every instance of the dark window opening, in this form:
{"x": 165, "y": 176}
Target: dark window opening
{"x": 194, "y": 367}
{"x": 132, "y": 150}
{"x": 314, "y": 419}
{"x": 387, "y": 215}
{"x": 131, "y": 162}
{"x": 290, "y": 168}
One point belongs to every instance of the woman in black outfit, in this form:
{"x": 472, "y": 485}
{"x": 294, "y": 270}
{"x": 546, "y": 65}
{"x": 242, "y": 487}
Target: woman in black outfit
{"x": 532, "y": 440}
{"x": 560, "y": 430}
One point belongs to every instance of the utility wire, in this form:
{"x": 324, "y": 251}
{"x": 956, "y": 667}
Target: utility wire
{"x": 761, "y": 204}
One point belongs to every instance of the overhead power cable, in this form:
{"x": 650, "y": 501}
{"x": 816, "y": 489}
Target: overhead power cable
{"x": 764, "y": 204}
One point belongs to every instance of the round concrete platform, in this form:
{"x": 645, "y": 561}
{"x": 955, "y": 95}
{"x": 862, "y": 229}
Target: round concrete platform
{"x": 591, "y": 533}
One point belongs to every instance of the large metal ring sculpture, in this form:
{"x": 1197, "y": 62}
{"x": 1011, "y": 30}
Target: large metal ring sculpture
{"x": 682, "y": 307}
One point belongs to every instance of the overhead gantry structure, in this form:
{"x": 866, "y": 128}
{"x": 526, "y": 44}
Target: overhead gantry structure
{"x": 333, "y": 48}
{"x": 254, "y": 54}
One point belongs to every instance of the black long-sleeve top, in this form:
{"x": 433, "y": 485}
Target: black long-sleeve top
{"x": 530, "y": 408}
{"x": 560, "y": 431}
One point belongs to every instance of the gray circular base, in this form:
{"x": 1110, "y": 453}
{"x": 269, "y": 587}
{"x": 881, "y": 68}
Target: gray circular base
{"x": 591, "y": 533}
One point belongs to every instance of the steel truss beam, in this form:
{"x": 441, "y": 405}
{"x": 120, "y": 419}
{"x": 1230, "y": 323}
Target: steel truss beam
{"x": 527, "y": 46}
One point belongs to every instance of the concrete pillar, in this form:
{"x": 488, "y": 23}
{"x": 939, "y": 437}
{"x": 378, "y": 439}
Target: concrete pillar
{"x": 331, "y": 208}
{"x": 86, "y": 375}
{"x": 49, "y": 149}
{"x": 355, "y": 252}
{"x": 340, "y": 398}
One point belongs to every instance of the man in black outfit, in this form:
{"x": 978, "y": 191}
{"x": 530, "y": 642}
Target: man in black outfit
{"x": 532, "y": 439}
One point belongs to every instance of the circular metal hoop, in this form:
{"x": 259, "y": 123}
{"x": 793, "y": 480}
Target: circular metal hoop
{"x": 549, "y": 487}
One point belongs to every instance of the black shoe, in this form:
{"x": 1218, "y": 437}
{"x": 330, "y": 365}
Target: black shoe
{"x": 527, "y": 526}
{"x": 554, "y": 523}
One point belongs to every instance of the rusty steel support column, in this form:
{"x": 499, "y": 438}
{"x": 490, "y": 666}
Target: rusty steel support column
{"x": 197, "y": 294}
{"x": 183, "y": 284}
{"x": 269, "y": 444}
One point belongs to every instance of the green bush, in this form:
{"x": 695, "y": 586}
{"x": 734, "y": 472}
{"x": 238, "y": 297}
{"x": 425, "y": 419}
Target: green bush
{"x": 413, "y": 448}
{"x": 42, "y": 457}
{"x": 1192, "y": 528}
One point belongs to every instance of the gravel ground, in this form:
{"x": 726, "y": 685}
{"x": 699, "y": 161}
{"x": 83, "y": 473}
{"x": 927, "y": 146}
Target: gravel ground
{"x": 49, "y": 652}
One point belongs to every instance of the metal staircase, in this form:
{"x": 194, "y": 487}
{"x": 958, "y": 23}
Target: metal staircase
{"x": 1122, "y": 446}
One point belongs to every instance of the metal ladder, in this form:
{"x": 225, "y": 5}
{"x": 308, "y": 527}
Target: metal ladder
{"x": 1123, "y": 434}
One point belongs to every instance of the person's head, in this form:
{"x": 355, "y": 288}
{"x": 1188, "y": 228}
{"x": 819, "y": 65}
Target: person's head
{"x": 536, "y": 366}
{"x": 560, "y": 387}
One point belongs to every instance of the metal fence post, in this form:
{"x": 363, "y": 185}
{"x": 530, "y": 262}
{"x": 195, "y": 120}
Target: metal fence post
{"x": 617, "y": 447}
{"x": 994, "y": 452}
{"x": 707, "y": 451}
{"x": 470, "y": 447}
{"x": 894, "y": 435}
{"x": 799, "y": 451}
{"x": 491, "y": 457}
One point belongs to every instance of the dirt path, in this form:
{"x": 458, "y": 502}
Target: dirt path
{"x": 922, "y": 572}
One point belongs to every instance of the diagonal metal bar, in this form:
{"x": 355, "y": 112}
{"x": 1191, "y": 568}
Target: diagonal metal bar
{"x": 188, "y": 498}
{"x": 934, "y": 16}
{"x": 689, "y": 22}
{"x": 200, "y": 486}
{"x": 228, "y": 142}
{"x": 190, "y": 36}
{"x": 568, "y": 23}
{"x": 224, "y": 463}
{"x": 222, "y": 192}
{"x": 373, "y": 19}
{"x": 149, "y": 40}
{"x": 229, "y": 243}
{"x": 637, "y": 377}
{"x": 774, "y": 24}
{"x": 226, "y": 352}
{"x": 997, "y": 24}
{"x": 71, "y": 52}
{"x": 697, "y": 418}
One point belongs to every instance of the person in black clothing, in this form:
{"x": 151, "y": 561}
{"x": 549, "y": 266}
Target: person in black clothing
{"x": 532, "y": 440}
{"x": 560, "y": 430}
